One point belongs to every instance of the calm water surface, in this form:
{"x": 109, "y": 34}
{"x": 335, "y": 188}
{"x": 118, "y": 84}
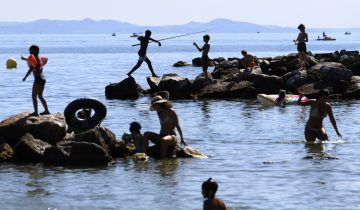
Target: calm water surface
{"x": 258, "y": 155}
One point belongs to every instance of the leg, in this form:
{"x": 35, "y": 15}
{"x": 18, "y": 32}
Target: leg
{"x": 166, "y": 142}
{"x": 135, "y": 67}
{"x": 153, "y": 137}
{"x": 310, "y": 136}
{"x": 34, "y": 97}
{"x": 301, "y": 61}
{"x": 147, "y": 60}
{"x": 40, "y": 96}
{"x": 322, "y": 135}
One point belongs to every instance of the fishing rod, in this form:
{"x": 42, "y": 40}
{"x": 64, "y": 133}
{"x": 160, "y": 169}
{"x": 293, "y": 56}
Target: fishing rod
{"x": 176, "y": 36}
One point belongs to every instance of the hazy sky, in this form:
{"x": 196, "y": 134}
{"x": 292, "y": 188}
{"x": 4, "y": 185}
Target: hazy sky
{"x": 313, "y": 13}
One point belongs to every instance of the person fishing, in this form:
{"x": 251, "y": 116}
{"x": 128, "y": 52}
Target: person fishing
{"x": 36, "y": 66}
{"x": 320, "y": 108}
{"x": 205, "y": 60}
{"x": 144, "y": 42}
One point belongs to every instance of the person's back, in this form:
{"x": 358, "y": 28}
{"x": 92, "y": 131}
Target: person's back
{"x": 209, "y": 188}
{"x": 214, "y": 204}
{"x": 141, "y": 144}
{"x": 144, "y": 42}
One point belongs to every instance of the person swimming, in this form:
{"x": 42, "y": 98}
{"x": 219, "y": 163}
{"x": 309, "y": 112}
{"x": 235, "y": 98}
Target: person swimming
{"x": 320, "y": 109}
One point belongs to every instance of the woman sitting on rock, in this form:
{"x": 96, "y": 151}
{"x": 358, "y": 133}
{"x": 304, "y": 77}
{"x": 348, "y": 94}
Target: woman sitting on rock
{"x": 320, "y": 108}
{"x": 168, "y": 122}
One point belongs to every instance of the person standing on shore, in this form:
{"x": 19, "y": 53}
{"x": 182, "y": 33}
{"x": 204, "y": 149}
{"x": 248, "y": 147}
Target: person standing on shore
{"x": 144, "y": 42}
{"x": 301, "y": 46}
{"x": 36, "y": 66}
{"x": 320, "y": 108}
{"x": 208, "y": 190}
{"x": 205, "y": 60}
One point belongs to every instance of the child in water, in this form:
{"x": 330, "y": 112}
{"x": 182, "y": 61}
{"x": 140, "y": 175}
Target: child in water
{"x": 280, "y": 101}
{"x": 205, "y": 60}
{"x": 141, "y": 144}
{"x": 209, "y": 188}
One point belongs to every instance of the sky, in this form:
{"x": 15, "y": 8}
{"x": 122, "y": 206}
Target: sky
{"x": 313, "y": 13}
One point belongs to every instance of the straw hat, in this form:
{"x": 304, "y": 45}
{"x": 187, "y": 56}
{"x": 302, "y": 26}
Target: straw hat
{"x": 157, "y": 100}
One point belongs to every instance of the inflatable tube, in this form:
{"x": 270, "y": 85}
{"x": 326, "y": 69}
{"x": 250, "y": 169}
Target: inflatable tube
{"x": 11, "y": 63}
{"x": 43, "y": 59}
{"x": 72, "y": 108}
{"x": 269, "y": 100}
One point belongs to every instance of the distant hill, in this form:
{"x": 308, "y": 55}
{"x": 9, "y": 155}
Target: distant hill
{"x": 89, "y": 26}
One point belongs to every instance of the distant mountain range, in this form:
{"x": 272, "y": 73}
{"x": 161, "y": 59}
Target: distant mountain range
{"x": 89, "y": 26}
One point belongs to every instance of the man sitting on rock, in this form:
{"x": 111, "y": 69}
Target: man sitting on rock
{"x": 249, "y": 62}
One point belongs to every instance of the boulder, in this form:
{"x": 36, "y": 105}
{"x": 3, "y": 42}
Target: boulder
{"x": 265, "y": 66}
{"x": 315, "y": 70}
{"x": 355, "y": 68}
{"x": 267, "y": 84}
{"x": 126, "y": 89}
{"x": 348, "y": 60}
{"x": 48, "y": 128}
{"x": 279, "y": 71}
{"x": 293, "y": 65}
{"x": 153, "y": 83}
{"x": 295, "y": 79}
{"x": 179, "y": 88}
{"x": 29, "y": 149}
{"x": 242, "y": 89}
{"x": 216, "y": 90}
{"x": 196, "y": 62}
{"x": 85, "y": 153}
{"x": 98, "y": 135}
{"x": 229, "y": 64}
{"x": 335, "y": 74}
{"x": 176, "y": 152}
{"x": 57, "y": 155}
{"x": 199, "y": 83}
{"x": 181, "y": 64}
{"x": 277, "y": 63}
{"x": 353, "y": 91}
{"x": 122, "y": 149}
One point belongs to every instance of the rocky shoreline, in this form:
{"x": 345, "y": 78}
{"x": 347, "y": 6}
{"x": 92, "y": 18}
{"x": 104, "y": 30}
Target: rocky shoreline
{"x": 338, "y": 71}
{"x": 45, "y": 139}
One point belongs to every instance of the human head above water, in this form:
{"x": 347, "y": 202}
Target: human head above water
{"x": 148, "y": 33}
{"x": 244, "y": 52}
{"x": 135, "y": 127}
{"x": 301, "y": 26}
{"x": 209, "y": 188}
{"x": 206, "y": 38}
{"x": 34, "y": 49}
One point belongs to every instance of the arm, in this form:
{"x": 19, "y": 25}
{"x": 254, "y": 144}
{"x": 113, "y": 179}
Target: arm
{"x": 179, "y": 128}
{"x": 306, "y": 37}
{"x": 23, "y": 58}
{"x": 306, "y": 103}
{"x": 332, "y": 119}
{"x": 27, "y": 74}
{"x": 155, "y": 41}
{"x": 197, "y": 47}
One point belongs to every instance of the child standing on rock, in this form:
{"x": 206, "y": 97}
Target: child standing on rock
{"x": 205, "y": 60}
{"x": 301, "y": 46}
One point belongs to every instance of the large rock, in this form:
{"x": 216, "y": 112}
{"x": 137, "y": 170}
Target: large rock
{"x": 153, "y": 83}
{"x": 126, "y": 89}
{"x": 216, "y": 90}
{"x": 265, "y": 66}
{"x": 179, "y": 88}
{"x": 355, "y": 68}
{"x": 196, "y": 62}
{"x": 57, "y": 155}
{"x": 279, "y": 71}
{"x": 199, "y": 83}
{"x": 353, "y": 91}
{"x": 335, "y": 74}
{"x": 122, "y": 149}
{"x": 98, "y": 135}
{"x": 181, "y": 64}
{"x": 85, "y": 153}
{"x": 315, "y": 70}
{"x": 242, "y": 89}
{"x": 267, "y": 84}
{"x": 48, "y": 128}
{"x": 29, "y": 149}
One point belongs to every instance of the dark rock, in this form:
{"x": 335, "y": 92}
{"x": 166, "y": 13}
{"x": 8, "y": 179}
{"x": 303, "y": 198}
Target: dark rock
{"x": 291, "y": 56}
{"x": 216, "y": 90}
{"x": 311, "y": 61}
{"x": 178, "y": 87}
{"x": 122, "y": 150}
{"x": 153, "y": 83}
{"x": 335, "y": 74}
{"x": 265, "y": 66}
{"x": 126, "y": 89}
{"x": 181, "y": 64}
{"x": 56, "y": 156}
{"x": 49, "y": 128}
{"x": 349, "y": 60}
{"x": 196, "y": 62}
{"x": 355, "y": 68}
{"x": 297, "y": 79}
{"x": 219, "y": 59}
{"x": 189, "y": 152}
{"x": 243, "y": 89}
{"x": 267, "y": 84}
{"x": 353, "y": 91}
{"x": 199, "y": 83}
{"x": 85, "y": 153}
{"x": 29, "y": 149}
{"x": 315, "y": 70}
{"x": 277, "y": 63}
{"x": 349, "y": 53}
{"x": 98, "y": 135}
{"x": 279, "y": 71}
{"x": 229, "y": 64}
{"x": 293, "y": 65}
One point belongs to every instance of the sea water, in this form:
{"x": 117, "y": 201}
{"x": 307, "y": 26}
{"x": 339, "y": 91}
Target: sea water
{"x": 257, "y": 155}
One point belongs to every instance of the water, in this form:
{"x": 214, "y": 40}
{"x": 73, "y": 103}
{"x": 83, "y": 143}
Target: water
{"x": 258, "y": 155}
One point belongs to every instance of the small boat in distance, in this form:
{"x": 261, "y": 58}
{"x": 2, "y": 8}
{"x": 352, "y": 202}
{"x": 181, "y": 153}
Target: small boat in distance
{"x": 113, "y": 34}
{"x": 347, "y": 33}
{"x": 325, "y": 38}
{"x": 135, "y": 35}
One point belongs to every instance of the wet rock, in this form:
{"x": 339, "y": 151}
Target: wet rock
{"x": 48, "y": 128}
{"x": 126, "y": 89}
{"x": 122, "y": 150}
{"x": 199, "y": 83}
{"x": 6, "y": 151}
{"x": 355, "y": 68}
{"x": 353, "y": 91}
{"x": 279, "y": 71}
{"x": 85, "y": 153}
{"x": 178, "y": 87}
{"x": 181, "y": 64}
{"x": 243, "y": 89}
{"x": 267, "y": 84}
{"x": 315, "y": 70}
{"x": 196, "y": 62}
{"x": 189, "y": 152}
{"x": 335, "y": 74}
{"x": 57, "y": 155}
{"x": 98, "y": 135}
{"x": 29, "y": 149}
{"x": 153, "y": 83}
{"x": 216, "y": 90}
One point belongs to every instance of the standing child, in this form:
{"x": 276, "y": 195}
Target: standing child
{"x": 205, "y": 60}
{"x": 144, "y": 42}
{"x": 301, "y": 46}
{"x": 141, "y": 144}
{"x": 209, "y": 188}
{"x": 36, "y": 66}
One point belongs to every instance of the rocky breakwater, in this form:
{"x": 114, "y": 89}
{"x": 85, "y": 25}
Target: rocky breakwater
{"x": 338, "y": 71}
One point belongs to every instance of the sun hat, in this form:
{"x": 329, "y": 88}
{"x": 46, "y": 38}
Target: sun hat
{"x": 157, "y": 100}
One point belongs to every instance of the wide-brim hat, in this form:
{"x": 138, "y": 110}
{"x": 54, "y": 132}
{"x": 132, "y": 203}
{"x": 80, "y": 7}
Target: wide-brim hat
{"x": 157, "y": 100}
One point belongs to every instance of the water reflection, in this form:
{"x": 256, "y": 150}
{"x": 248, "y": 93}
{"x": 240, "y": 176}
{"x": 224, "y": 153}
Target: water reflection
{"x": 320, "y": 151}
